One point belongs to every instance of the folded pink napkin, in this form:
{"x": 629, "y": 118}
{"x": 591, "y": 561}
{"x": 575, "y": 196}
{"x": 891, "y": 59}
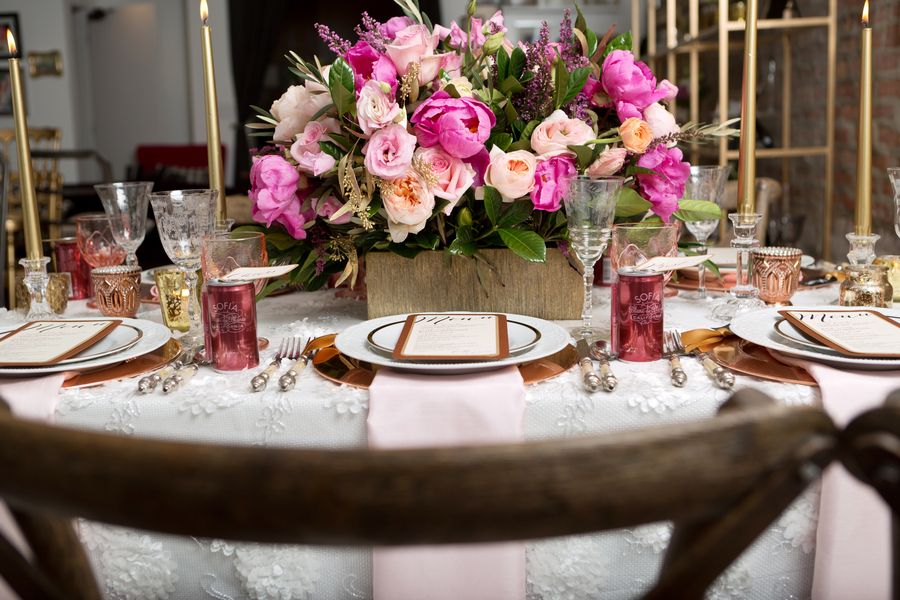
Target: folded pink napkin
{"x": 853, "y": 538}
{"x": 408, "y": 411}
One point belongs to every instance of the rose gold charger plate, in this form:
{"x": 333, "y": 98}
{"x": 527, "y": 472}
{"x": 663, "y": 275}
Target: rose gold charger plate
{"x": 130, "y": 368}
{"x": 334, "y": 366}
{"x": 747, "y": 358}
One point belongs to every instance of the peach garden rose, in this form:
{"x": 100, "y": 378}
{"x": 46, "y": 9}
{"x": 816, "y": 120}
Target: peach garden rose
{"x": 408, "y": 203}
{"x": 636, "y": 135}
{"x": 511, "y": 173}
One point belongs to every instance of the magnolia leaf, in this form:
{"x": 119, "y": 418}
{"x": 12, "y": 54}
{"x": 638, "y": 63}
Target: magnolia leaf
{"x": 580, "y": 22}
{"x": 502, "y": 64}
{"x": 492, "y": 203}
{"x": 577, "y": 79}
{"x": 520, "y": 145}
{"x": 341, "y": 86}
{"x": 526, "y": 244}
{"x": 501, "y": 140}
{"x": 259, "y": 126}
{"x": 584, "y": 156}
{"x": 561, "y": 84}
{"x": 630, "y": 204}
{"x": 698, "y": 210}
{"x": 331, "y": 149}
{"x": 459, "y": 247}
{"x": 592, "y": 42}
{"x": 529, "y": 129}
{"x": 516, "y": 213}
{"x": 620, "y": 42}
{"x": 517, "y": 63}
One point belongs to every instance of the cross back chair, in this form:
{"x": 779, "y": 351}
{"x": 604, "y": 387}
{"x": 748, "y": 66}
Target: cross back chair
{"x": 721, "y": 480}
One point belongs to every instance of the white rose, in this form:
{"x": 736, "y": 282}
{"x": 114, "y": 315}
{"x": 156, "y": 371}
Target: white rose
{"x": 557, "y": 132}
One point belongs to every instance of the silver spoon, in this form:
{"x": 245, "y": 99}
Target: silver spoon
{"x": 600, "y": 351}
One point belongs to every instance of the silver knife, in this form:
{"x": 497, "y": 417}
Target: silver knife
{"x": 591, "y": 379}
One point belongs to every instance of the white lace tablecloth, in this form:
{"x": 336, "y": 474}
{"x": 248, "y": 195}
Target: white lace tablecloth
{"x": 319, "y": 414}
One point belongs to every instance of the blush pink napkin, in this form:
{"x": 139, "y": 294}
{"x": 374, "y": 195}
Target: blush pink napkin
{"x": 407, "y": 411}
{"x": 853, "y": 537}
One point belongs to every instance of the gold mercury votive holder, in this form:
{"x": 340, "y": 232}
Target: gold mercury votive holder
{"x": 892, "y": 262}
{"x": 117, "y": 290}
{"x": 173, "y": 297}
{"x": 57, "y": 293}
{"x": 866, "y": 285}
{"x": 776, "y": 273}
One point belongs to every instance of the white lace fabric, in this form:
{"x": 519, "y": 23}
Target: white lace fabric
{"x": 218, "y": 408}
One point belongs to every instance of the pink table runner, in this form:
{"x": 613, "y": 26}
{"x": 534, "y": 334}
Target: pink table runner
{"x": 407, "y": 411}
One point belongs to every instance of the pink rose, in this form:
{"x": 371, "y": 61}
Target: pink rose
{"x": 557, "y": 132}
{"x": 295, "y": 109}
{"x": 314, "y": 132}
{"x": 313, "y": 163}
{"x": 460, "y": 125}
{"x": 375, "y": 108}
{"x": 630, "y": 84}
{"x": 608, "y": 163}
{"x": 661, "y": 121}
{"x": 664, "y": 188}
{"x": 393, "y": 25}
{"x": 552, "y": 179}
{"x": 408, "y": 203}
{"x": 368, "y": 64}
{"x": 451, "y": 63}
{"x": 273, "y": 190}
{"x": 389, "y": 151}
{"x": 325, "y": 206}
{"x": 511, "y": 173}
{"x": 409, "y": 45}
{"x": 454, "y": 176}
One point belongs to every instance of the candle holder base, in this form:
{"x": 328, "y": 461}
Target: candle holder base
{"x": 862, "y": 248}
{"x": 36, "y": 282}
{"x": 224, "y": 226}
{"x": 743, "y": 297}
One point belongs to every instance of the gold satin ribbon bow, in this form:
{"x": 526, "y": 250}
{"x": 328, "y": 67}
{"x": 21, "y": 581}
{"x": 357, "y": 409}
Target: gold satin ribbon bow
{"x": 704, "y": 339}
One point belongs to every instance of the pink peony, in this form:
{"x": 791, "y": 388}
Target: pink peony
{"x": 557, "y": 132}
{"x": 593, "y": 89}
{"x": 608, "y": 163}
{"x": 368, "y": 64}
{"x": 552, "y": 178}
{"x": 389, "y": 152}
{"x": 480, "y": 162}
{"x": 460, "y": 125}
{"x": 669, "y": 88}
{"x": 408, "y": 203}
{"x": 661, "y": 121}
{"x": 410, "y": 45}
{"x": 511, "y": 173}
{"x": 454, "y": 176}
{"x": 630, "y": 84}
{"x": 273, "y": 190}
{"x": 325, "y": 206}
{"x": 375, "y": 108}
{"x": 393, "y": 25}
{"x": 664, "y": 188}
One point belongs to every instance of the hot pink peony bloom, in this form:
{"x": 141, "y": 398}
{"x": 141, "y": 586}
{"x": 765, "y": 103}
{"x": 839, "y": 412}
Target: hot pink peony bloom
{"x": 666, "y": 187}
{"x": 551, "y": 182}
{"x": 325, "y": 206}
{"x": 408, "y": 203}
{"x": 454, "y": 176}
{"x": 273, "y": 190}
{"x": 460, "y": 125}
{"x": 608, "y": 163}
{"x": 389, "y": 152}
{"x": 630, "y": 84}
{"x": 368, "y": 64}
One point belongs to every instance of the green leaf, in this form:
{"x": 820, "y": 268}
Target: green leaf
{"x": 331, "y": 149}
{"x": 698, "y": 210}
{"x": 577, "y": 79}
{"x": 620, "y": 42}
{"x": 459, "y": 247}
{"x": 631, "y": 204}
{"x": 529, "y": 129}
{"x": 321, "y": 111}
{"x": 465, "y": 234}
{"x": 404, "y": 251}
{"x": 516, "y": 213}
{"x": 427, "y": 240}
{"x": 526, "y": 244}
{"x": 580, "y": 22}
{"x": 511, "y": 86}
{"x": 501, "y": 140}
{"x": 520, "y": 145}
{"x": 274, "y": 286}
{"x": 510, "y": 111}
{"x": 593, "y": 42}
{"x": 584, "y": 156}
{"x": 280, "y": 240}
{"x": 340, "y": 84}
{"x": 492, "y": 203}
{"x": 561, "y": 84}
{"x": 517, "y": 63}
{"x": 502, "y": 64}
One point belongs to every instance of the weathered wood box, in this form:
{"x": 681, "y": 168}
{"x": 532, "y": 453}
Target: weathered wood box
{"x": 549, "y": 290}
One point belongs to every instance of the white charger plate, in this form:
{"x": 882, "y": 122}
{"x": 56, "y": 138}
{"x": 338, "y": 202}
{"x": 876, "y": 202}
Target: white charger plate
{"x": 759, "y": 327}
{"x": 521, "y": 336}
{"x": 354, "y": 343}
{"x": 119, "y": 339}
{"x": 153, "y": 335}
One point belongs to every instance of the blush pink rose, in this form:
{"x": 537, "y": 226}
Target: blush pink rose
{"x": 325, "y": 206}
{"x": 408, "y": 203}
{"x": 630, "y": 84}
{"x": 608, "y": 163}
{"x": 666, "y": 186}
{"x": 389, "y": 152}
{"x": 313, "y": 163}
{"x": 390, "y": 28}
{"x": 557, "y": 132}
{"x": 295, "y": 109}
{"x": 274, "y": 192}
{"x": 409, "y": 45}
{"x": 460, "y": 125}
{"x": 375, "y": 108}
{"x": 552, "y": 179}
{"x": 511, "y": 173}
{"x": 314, "y": 132}
{"x": 454, "y": 176}
{"x": 661, "y": 121}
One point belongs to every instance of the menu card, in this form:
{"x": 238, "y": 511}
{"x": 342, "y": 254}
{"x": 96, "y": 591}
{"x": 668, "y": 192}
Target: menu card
{"x": 662, "y": 264}
{"x": 45, "y": 343}
{"x": 850, "y": 332}
{"x": 254, "y": 273}
{"x": 453, "y": 337}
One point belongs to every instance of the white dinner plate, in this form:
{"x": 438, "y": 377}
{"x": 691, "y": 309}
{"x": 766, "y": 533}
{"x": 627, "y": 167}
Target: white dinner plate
{"x": 759, "y": 327}
{"x": 353, "y": 342}
{"x": 119, "y": 339}
{"x": 153, "y": 335}
{"x": 521, "y": 336}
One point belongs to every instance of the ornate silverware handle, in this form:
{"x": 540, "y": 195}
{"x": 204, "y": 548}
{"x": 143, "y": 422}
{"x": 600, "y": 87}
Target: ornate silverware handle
{"x": 259, "y": 382}
{"x": 287, "y": 381}
{"x": 181, "y": 376}
{"x": 676, "y": 372}
{"x": 607, "y": 378}
{"x": 722, "y": 376}
{"x": 590, "y": 378}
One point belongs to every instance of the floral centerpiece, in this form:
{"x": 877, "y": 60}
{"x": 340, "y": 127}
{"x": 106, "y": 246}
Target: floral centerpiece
{"x": 422, "y": 137}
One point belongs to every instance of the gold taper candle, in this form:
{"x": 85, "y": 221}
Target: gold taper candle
{"x": 864, "y": 146}
{"x": 213, "y": 140}
{"x": 747, "y": 155}
{"x": 32, "y": 224}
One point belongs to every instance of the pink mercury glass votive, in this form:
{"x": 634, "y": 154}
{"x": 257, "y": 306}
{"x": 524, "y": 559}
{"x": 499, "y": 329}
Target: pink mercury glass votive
{"x": 639, "y": 310}
{"x": 229, "y": 320}
{"x": 69, "y": 260}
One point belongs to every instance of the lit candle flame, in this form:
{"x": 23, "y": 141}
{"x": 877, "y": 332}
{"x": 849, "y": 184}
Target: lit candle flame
{"x": 865, "y": 15}
{"x": 204, "y": 11}
{"x": 11, "y": 41}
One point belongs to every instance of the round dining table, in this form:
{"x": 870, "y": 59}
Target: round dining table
{"x": 219, "y": 408}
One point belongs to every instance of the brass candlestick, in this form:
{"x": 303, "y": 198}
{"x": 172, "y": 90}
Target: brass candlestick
{"x": 864, "y": 149}
{"x": 747, "y": 156}
{"x": 213, "y": 139}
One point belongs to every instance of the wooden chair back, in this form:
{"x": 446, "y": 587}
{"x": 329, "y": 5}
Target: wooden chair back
{"x": 721, "y": 480}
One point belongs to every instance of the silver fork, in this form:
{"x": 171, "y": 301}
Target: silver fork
{"x": 722, "y": 376}
{"x": 259, "y": 381}
{"x": 670, "y": 350}
{"x": 287, "y": 381}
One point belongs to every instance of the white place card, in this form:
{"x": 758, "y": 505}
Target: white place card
{"x": 254, "y": 273}
{"x": 453, "y": 337}
{"x": 663, "y": 264}
{"x": 42, "y": 343}
{"x": 851, "y": 332}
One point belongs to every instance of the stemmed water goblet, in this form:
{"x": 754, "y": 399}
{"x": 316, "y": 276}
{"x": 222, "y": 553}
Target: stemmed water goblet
{"x": 184, "y": 218}
{"x": 590, "y": 208}
{"x": 125, "y": 204}
{"x": 704, "y": 183}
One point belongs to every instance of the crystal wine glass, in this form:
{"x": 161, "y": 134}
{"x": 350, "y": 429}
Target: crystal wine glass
{"x": 93, "y": 233}
{"x": 894, "y": 174}
{"x": 126, "y": 205}
{"x": 223, "y": 252}
{"x": 704, "y": 183}
{"x": 184, "y": 218}
{"x": 590, "y": 209}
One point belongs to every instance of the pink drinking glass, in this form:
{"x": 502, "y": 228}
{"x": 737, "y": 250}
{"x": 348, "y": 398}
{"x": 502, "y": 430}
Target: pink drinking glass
{"x": 633, "y": 243}
{"x": 223, "y": 252}
{"x": 95, "y": 240}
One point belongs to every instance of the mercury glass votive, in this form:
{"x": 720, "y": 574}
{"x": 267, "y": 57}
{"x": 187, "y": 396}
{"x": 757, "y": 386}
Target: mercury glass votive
{"x": 117, "y": 290}
{"x": 866, "y": 285}
{"x": 776, "y": 273}
{"x": 173, "y": 297}
{"x": 892, "y": 262}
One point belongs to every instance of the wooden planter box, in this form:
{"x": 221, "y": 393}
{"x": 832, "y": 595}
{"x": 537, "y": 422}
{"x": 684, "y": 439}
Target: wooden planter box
{"x": 549, "y": 290}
